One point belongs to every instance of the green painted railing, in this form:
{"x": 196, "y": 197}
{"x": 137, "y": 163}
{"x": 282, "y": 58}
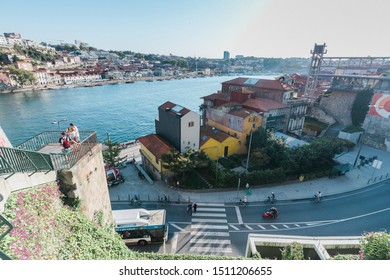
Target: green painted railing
{"x": 5, "y": 228}
{"x": 25, "y": 158}
{"x": 75, "y": 153}
{"x": 17, "y": 160}
{"x": 49, "y": 137}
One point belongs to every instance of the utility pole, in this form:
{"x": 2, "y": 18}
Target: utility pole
{"x": 249, "y": 152}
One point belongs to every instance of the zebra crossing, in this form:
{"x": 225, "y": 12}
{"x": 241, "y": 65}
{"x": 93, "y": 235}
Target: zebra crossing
{"x": 210, "y": 230}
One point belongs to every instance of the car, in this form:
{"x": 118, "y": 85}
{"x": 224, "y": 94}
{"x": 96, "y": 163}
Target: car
{"x": 114, "y": 177}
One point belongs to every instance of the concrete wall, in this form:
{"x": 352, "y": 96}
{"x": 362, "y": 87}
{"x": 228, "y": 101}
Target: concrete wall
{"x": 87, "y": 181}
{"x": 377, "y": 132}
{"x": 319, "y": 114}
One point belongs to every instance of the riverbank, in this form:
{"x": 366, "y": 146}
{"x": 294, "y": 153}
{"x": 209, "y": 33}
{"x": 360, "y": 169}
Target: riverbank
{"x": 102, "y": 82}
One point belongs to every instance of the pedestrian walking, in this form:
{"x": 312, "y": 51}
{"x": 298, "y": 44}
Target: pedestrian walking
{"x": 195, "y": 206}
{"x": 189, "y": 207}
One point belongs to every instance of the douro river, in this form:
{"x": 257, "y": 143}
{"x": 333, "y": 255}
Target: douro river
{"x": 125, "y": 111}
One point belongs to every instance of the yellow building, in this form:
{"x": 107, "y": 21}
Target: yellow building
{"x": 216, "y": 143}
{"x": 153, "y": 147}
{"x": 236, "y": 122}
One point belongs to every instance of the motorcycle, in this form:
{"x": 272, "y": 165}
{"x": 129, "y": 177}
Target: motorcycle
{"x": 270, "y": 214}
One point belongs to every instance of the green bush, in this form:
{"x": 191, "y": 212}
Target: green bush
{"x": 293, "y": 251}
{"x": 375, "y": 246}
{"x": 346, "y": 257}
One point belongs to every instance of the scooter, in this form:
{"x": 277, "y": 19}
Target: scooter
{"x": 269, "y": 214}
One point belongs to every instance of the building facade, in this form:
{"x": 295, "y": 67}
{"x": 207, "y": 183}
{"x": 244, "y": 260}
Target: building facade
{"x": 179, "y": 126}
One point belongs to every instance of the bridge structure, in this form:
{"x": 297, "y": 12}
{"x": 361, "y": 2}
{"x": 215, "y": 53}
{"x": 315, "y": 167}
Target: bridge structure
{"x": 347, "y": 73}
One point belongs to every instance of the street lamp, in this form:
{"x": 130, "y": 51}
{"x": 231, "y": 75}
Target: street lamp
{"x": 250, "y": 141}
{"x": 58, "y": 122}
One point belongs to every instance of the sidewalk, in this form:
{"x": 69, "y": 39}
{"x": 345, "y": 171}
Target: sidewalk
{"x": 352, "y": 180}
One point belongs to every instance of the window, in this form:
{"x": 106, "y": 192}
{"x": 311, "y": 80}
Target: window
{"x": 190, "y": 124}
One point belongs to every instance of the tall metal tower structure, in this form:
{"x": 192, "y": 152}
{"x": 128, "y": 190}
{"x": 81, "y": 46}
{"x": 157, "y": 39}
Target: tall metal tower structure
{"x": 315, "y": 65}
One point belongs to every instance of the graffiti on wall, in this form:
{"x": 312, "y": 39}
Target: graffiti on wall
{"x": 380, "y": 106}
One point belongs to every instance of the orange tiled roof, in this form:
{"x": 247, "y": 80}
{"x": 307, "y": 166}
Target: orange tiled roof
{"x": 263, "y": 105}
{"x": 157, "y": 145}
{"x": 260, "y": 83}
{"x": 207, "y": 132}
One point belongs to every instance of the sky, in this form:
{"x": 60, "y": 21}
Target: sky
{"x": 207, "y": 28}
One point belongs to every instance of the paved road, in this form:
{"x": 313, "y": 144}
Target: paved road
{"x": 350, "y": 207}
{"x": 222, "y": 229}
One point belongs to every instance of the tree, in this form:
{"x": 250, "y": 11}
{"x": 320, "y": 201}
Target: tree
{"x": 21, "y": 76}
{"x": 360, "y": 106}
{"x": 293, "y": 251}
{"x": 274, "y": 147}
{"x": 260, "y": 157}
{"x": 111, "y": 154}
{"x": 179, "y": 163}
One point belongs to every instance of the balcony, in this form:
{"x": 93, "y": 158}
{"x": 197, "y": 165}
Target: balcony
{"x": 43, "y": 153}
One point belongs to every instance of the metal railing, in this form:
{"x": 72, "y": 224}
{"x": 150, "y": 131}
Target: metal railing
{"x": 6, "y": 227}
{"x": 48, "y": 137}
{"x": 25, "y": 158}
{"x": 17, "y": 160}
{"x": 75, "y": 153}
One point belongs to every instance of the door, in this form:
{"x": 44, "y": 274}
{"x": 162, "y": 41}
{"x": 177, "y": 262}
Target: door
{"x": 226, "y": 151}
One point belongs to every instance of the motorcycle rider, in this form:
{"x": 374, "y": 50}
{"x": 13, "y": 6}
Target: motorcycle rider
{"x": 273, "y": 211}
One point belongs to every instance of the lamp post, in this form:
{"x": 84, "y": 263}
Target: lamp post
{"x": 250, "y": 140}
{"x": 249, "y": 152}
{"x": 58, "y": 122}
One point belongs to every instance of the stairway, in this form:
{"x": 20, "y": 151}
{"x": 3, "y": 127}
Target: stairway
{"x": 210, "y": 186}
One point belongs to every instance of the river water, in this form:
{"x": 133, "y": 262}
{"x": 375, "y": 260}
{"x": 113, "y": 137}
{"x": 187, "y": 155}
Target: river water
{"x": 125, "y": 111}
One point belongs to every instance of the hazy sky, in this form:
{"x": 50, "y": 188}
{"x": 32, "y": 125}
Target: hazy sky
{"x": 206, "y": 28}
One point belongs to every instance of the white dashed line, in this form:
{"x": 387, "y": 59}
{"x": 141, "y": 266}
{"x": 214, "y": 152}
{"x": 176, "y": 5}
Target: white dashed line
{"x": 234, "y": 227}
{"x": 248, "y": 227}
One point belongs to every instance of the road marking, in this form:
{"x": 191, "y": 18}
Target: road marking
{"x": 209, "y": 233}
{"x": 297, "y": 225}
{"x": 210, "y": 209}
{"x": 236, "y": 228}
{"x": 211, "y": 241}
{"x": 222, "y": 221}
{"x": 261, "y": 227}
{"x": 210, "y": 250}
{"x": 239, "y": 217}
{"x": 313, "y": 224}
{"x": 209, "y": 227}
{"x": 174, "y": 243}
{"x": 211, "y": 204}
{"x": 286, "y": 226}
{"x": 176, "y": 226}
{"x": 209, "y": 215}
{"x": 274, "y": 227}
{"x": 248, "y": 227}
